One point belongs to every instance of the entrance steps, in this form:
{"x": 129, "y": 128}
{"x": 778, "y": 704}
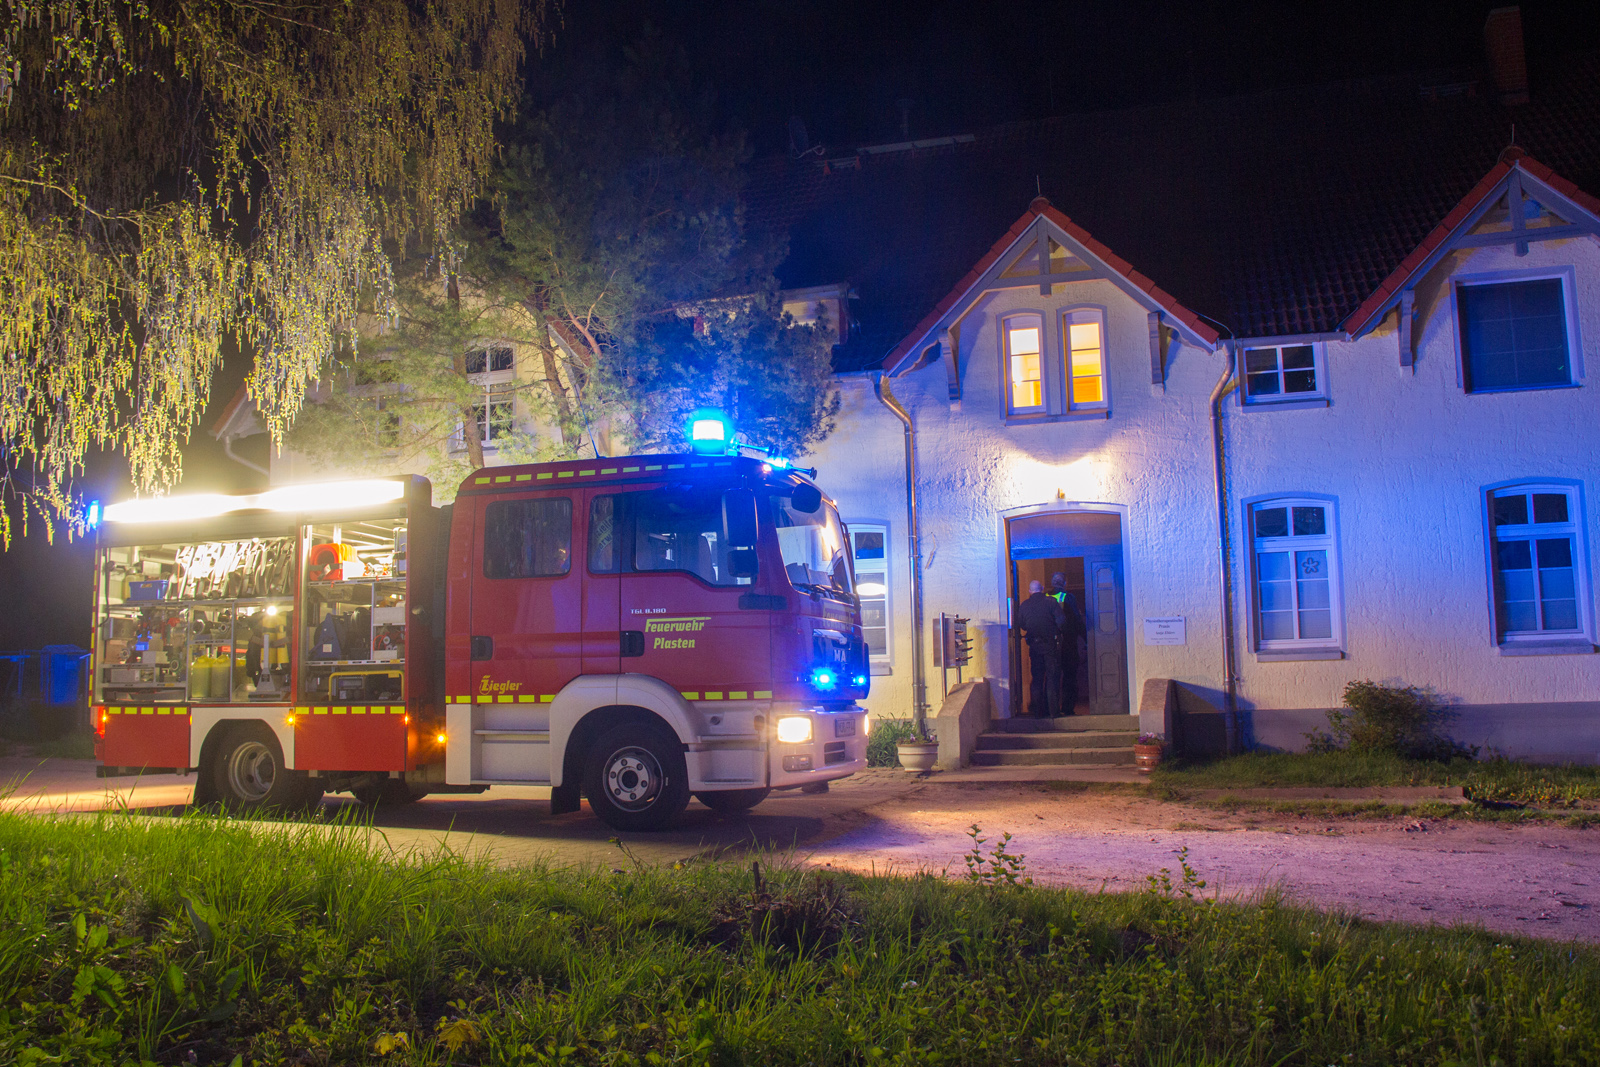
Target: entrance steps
{"x": 1067, "y": 741}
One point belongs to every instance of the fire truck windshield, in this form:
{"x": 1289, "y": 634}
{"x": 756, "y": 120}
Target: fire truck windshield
{"x": 813, "y": 545}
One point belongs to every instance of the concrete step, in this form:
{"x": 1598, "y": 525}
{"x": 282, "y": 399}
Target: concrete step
{"x": 1053, "y": 757}
{"x": 1066, "y": 724}
{"x": 994, "y": 742}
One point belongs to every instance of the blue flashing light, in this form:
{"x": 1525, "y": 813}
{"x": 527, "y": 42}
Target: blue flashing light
{"x": 710, "y": 432}
{"x": 778, "y": 463}
{"x": 823, "y": 679}
{"x": 91, "y": 515}
{"x": 859, "y": 680}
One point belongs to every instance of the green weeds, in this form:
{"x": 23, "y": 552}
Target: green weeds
{"x": 209, "y": 941}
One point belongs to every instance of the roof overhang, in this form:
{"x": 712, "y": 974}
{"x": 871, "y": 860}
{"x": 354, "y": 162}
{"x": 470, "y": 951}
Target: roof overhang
{"x": 1516, "y": 177}
{"x": 1037, "y": 226}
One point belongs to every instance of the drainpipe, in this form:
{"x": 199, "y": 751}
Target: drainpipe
{"x": 1230, "y": 697}
{"x": 919, "y": 685}
{"x": 227, "y": 450}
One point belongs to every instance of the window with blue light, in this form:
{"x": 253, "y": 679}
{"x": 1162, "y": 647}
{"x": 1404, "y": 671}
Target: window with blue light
{"x": 1540, "y": 584}
{"x": 869, "y": 547}
{"x": 1297, "y": 580}
{"x": 1513, "y": 335}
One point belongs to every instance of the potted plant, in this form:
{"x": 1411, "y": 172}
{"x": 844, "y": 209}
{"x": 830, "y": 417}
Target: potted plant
{"x": 1147, "y": 752}
{"x": 919, "y": 751}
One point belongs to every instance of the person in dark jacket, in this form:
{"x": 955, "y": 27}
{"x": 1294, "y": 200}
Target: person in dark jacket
{"x": 1072, "y": 632}
{"x": 1041, "y": 620}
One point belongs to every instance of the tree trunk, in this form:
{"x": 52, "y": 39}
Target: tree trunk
{"x": 558, "y": 392}
{"x": 471, "y": 433}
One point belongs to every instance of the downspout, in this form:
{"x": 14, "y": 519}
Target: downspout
{"x": 227, "y": 450}
{"x": 1230, "y": 697}
{"x": 919, "y": 685}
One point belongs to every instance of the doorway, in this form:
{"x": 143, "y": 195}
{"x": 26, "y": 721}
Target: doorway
{"x": 1086, "y": 547}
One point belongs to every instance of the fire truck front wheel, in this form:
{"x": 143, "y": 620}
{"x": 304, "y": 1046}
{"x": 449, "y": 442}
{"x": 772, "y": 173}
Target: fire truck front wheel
{"x": 247, "y": 771}
{"x": 636, "y": 778}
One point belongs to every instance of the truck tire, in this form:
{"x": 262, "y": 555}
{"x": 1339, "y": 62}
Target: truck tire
{"x": 247, "y": 773}
{"x": 732, "y": 801}
{"x": 636, "y": 778}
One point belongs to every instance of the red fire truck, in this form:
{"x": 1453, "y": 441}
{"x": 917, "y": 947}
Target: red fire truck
{"x": 633, "y": 630}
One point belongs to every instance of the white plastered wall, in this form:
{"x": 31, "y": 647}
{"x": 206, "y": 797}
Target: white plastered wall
{"x": 1406, "y": 453}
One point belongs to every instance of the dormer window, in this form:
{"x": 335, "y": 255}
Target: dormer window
{"x": 1086, "y": 362}
{"x": 1023, "y": 336}
{"x": 1283, "y": 372}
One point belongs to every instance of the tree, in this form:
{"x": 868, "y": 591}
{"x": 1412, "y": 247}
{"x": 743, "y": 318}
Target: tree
{"x": 177, "y": 175}
{"x": 613, "y": 247}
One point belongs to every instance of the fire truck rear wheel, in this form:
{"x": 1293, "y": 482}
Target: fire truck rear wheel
{"x": 636, "y": 778}
{"x": 732, "y": 801}
{"x": 247, "y": 772}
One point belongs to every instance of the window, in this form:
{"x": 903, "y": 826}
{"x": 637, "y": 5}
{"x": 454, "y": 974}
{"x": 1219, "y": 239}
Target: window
{"x": 1513, "y": 335}
{"x": 870, "y": 547}
{"x": 604, "y": 517}
{"x": 1023, "y": 337}
{"x": 1296, "y": 572}
{"x": 1086, "y": 371}
{"x": 1539, "y": 585}
{"x": 527, "y": 538}
{"x": 680, "y": 529}
{"x": 812, "y": 545}
{"x": 494, "y": 414}
{"x": 1287, "y": 372}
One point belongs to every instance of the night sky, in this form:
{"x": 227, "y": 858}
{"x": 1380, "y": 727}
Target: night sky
{"x": 856, "y": 72}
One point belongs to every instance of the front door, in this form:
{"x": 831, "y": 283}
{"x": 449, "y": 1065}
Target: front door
{"x": 1108, "y": 642}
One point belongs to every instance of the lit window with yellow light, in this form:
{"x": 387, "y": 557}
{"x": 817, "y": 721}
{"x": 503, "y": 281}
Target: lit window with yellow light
{"x": 1023, "y": 357}
{"x": 1085, "y": 360}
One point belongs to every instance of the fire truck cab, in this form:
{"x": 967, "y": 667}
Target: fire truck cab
{"x": 632, "y": 630}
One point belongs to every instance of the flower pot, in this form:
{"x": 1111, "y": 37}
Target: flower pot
{"x": 918, "y": 755}
{"x": 1147, "y": 757}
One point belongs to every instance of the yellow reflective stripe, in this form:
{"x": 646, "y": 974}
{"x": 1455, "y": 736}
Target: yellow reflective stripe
{"x": 586, "y": 474}
{"x": 358, "y": 711}
{"x": 713, "y": 696}
{"x": 301, "y": 711}
{"x": 524, "y": 477}
{"x": 608, "y": 470}
{"x": 545, "y": 475}
{"x": 500, "y": 478}
{"x": 163, "y": 711}
{"x": 480, "y": 481}
{"x": 763, "y": 694}
{"x": 563, "y": 474}
{"x": 397, "y": 710}
{"x": 653, "y": 467}
{"x": 630, "y": 470}
{"x": 546, "y": 698}
{"x": 527, "y": 698}
{"x": 674, "y": 466}
{"x": 319, "y": 711}
{"x": 341, "y": 711}
{"x": 506, "y": 699}
{"x": 147, "y": 711}
{"x": 738, "y": 696}
{"x": 691, "y": 696}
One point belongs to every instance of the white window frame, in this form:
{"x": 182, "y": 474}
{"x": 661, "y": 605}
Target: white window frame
{"x": 1318, "y": 370}
{"x": 880, "y": 663}
{"x": 494, "y": 383}
{"x": 1077, "y": 316}
{"x": 1332, "y": 646}
{"x": 1567, "y": 277}
{"x": 1524, "y": 642}
{"x": 1014, "y": 320}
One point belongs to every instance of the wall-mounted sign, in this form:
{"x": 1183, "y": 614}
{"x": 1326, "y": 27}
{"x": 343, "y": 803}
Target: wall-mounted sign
{"x": 1168, "y": 631}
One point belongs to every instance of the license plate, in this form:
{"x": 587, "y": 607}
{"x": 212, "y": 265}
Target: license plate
{"x": 844, "y": 727}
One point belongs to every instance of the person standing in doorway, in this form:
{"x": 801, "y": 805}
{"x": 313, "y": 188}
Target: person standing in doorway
{"x": 1072, "y": 632}
{"x": 1041, "y": 619}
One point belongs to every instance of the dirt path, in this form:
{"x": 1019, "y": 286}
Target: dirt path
{"x": 1538, "y": 881}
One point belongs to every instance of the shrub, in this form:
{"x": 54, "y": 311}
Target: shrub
{"x": 886, "y": 734}
{"x": 1399, "y": 720}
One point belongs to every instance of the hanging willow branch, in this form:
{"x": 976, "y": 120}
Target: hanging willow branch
{"x": 180, "y": 175}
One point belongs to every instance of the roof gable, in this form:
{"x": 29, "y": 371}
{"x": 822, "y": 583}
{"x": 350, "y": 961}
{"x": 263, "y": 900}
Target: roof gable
{"x": 1520, "y": 181}
{"x": 1068, "y": 253}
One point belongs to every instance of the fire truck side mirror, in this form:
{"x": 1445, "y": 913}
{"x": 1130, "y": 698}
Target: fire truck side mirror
{"x": 739, "y": 519}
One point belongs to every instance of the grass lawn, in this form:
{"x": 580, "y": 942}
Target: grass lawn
{"x": 213, "y": 941}
{"x": 1497, "y": 780}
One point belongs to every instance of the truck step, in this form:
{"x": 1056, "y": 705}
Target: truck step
{"x": 1055, "y": 757}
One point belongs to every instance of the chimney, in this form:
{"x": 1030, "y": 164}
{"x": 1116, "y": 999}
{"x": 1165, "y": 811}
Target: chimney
{"x": 1508, "y": 63}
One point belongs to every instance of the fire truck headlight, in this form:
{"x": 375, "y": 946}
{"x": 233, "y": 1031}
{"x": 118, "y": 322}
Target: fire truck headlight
{"x": 794, "y": 729}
